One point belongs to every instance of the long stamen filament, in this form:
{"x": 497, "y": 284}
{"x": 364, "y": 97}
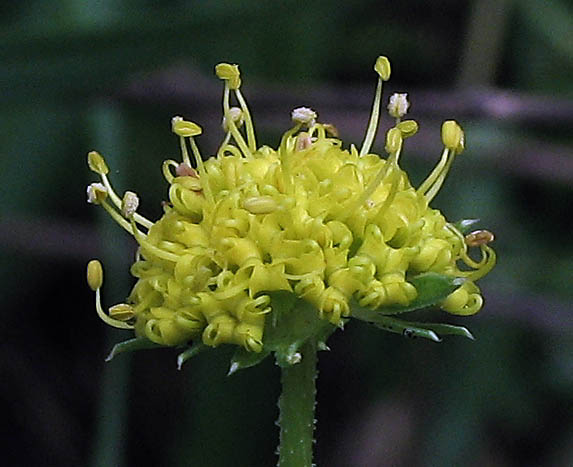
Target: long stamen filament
{"x": 223, "y": 144}
{"x": 284, "y": 152}
{"x": 433, "y": 191}
{"x": 232, "y": 127}
{"x": 373, "y": 123}
{"x": 107, "y": 319}
{"x": 430, "y": 179}
{"x": 184, "y": 151}
{"x": 202, "y": 172}
{"x": 248, "y": 121}
{"x": 119, "y": 218}
{"x": 146, "y": 245}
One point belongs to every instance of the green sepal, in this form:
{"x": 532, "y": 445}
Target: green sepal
{"x": 242, "y": 359}
{"x": 131, "y": 345}
{"x": 190, "y": 352}
{"x": 432, "y": 288}
{"x": 293, "y": 322}
{"x": 465, "y": 225}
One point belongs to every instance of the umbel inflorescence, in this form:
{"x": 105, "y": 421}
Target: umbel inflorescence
{"x": 342, "y": 229}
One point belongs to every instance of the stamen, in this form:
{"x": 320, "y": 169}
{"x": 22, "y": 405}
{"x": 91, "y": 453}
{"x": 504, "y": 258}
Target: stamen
{"x": 232, "y": 127}
{"x": 141, "y": 238}
{"x": 248, "y": 121}
{"x": 438, "y": 169}
{"x": 382, "y": 67}
{"x": 236, "y": 115}
{"x": 95, "y": 281}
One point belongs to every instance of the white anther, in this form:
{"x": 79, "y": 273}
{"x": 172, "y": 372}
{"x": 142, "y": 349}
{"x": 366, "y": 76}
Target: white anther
{"x": 398, "y": 105}
{"x": 304, "y": 115}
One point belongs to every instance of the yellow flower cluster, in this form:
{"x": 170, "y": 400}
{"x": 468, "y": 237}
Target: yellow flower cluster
{"x": 326, "y": 223}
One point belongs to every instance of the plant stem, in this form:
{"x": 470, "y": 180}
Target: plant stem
{"x": 296, "y": 406}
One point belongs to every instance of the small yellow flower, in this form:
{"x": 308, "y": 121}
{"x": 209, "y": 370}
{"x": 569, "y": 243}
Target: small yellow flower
{"x": 331, "y": 225}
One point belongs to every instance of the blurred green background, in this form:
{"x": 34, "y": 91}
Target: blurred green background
{"x": 109, "y": 75}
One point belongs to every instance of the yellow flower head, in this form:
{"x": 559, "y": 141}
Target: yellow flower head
{"x": 340, "y": 228}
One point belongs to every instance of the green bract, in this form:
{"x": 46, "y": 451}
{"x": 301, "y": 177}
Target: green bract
{"x": 266, "y": 248}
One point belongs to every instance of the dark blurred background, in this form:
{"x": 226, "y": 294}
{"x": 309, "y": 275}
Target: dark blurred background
{"x": 78, "y": 75}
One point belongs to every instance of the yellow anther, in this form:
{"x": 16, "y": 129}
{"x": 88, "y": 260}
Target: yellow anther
{"x": 398, "y": 105}
{"x": 452, "y": 136}
{"x": 230, "y": 73}
{"x": 408, "y": 128}
{"x": 97, "y": 193}
{"x": 479, "y": 237}
{"x": 260, "y": 204}
{"x": 393, "y": 140}
{"x": 97, "y": 163}
{"x": 382, "y": 67}
{"x": 95, "y": 274}
{"x": 122, "y": 312}
{"x": 129, "y": 204}
{"x": 185, "y": 128}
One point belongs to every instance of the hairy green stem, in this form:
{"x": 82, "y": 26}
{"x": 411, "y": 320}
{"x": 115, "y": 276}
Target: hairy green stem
{"x": 296, "y": 406}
